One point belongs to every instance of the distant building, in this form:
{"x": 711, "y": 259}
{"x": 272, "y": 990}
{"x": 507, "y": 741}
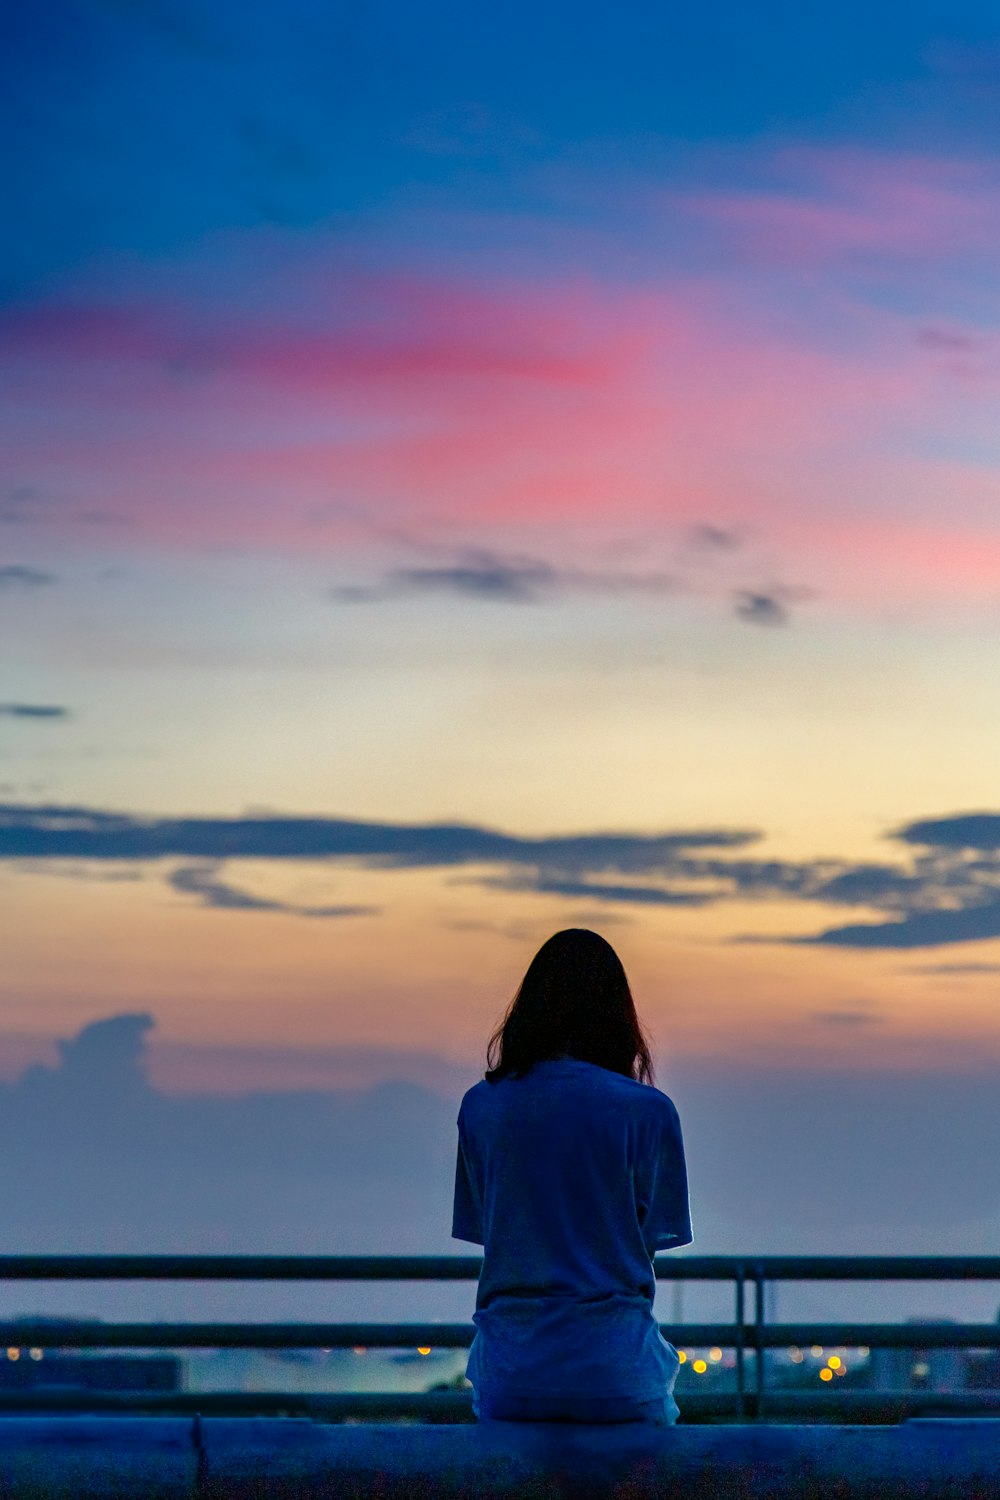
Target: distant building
{"x": 331, "y": 1371}
{"x": 983, "y": 1368}
{"x": 918, "y": 1368}
{"x": 42, "y": 1369}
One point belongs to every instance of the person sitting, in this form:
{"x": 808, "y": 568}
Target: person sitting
{"x": 571, "y": 1175}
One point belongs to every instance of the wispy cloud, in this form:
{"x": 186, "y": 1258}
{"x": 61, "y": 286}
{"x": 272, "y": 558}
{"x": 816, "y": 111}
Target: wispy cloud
{"x": 710, "y": 538}
{"x": 951, "y": 970}
{"x": 760, "y": 609}
{"x": 662, "y": 868}
{"x": 858, "y": 205}
{"x": 21, "y": 505}
{"x": 47, "y": 711}
{"x": 478, "y": 401}
{"x": 920, "y": 929}
{"x": 949, "y": 894}
{"x": 482, "y": 576}
{"x": 73, "y": 832}
{"x": 16, "y": 576}
{"x": 960, "y": 831}
{"x": 845, "y": 1017}
{"x": 936, "y": 894}
{"x": 490, "y": 577}
{"x": 601, "y": 891}
{"x": 204, "y": 881}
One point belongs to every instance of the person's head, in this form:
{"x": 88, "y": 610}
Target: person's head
{"x": 573, "y": 1000}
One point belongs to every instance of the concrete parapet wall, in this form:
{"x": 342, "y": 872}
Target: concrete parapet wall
{"x": 88, "y": 1458}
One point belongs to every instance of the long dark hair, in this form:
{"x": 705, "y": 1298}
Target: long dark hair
{"x": 574, "y": 999}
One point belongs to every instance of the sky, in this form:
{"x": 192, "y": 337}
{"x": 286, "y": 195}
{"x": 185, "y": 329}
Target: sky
{"x": 468, "y": 472}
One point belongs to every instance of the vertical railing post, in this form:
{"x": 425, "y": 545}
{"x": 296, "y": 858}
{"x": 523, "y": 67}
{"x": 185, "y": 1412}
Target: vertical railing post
{"x": 760, "y": 1317}
{"x": 741, "y": 1339}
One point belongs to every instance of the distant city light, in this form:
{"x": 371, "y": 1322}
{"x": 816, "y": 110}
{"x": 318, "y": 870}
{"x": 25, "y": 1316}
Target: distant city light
{"x": 841, "y": 1370}
{"x": 37, "y": 1353}
{"x": 826, "y": 1374}
{"x": 816, "y": 1351}
{"x": 699, "y": 1367}
{"x": 682, "y": 1355}
{"x": 13, "y": 1353}
{"x": 715, "y": 1355}
{"x": 834, "y": 1361}
{"x": 796, "y": 1356}
{"x": 358, "y": 1349}
{"x": 423, "y": 1350}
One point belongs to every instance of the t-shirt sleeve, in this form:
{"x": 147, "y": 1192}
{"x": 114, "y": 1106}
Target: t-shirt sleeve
{"x": 467, "y": 1217}
{"x": 662, "y": 1187}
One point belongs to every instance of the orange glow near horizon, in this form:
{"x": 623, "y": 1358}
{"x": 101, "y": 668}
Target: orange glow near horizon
{"x": 435, "y": 971}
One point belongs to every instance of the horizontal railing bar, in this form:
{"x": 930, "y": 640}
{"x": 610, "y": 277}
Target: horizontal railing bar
{"x": 336, "y": 1405}
{"x": 50, "y": 1334}
{"x": 451, "y": 1406}
{"x": 30, "y": 1333}
{"x": 829, "y": 1267}
{"x": 873, "y": 1335}
{"x": 467, "y": 1267}
{"x": 240, "y": 1267}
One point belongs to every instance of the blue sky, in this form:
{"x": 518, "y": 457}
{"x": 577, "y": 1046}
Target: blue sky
{"x": 140, "y": 127}
{"x": 553, "y": 423}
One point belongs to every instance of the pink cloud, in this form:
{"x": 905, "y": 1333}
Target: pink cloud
{"x": 845, "y": 202}
{"x": 425, "y": 399}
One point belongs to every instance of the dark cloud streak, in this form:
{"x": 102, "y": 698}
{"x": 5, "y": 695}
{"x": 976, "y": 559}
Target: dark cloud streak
{"x": 757, "y": 608}
{"x": 947, "y": 890}
{"x": 979, "y": 830}
{"x": 47, "y": 711}
{"x": 923, "y": 929}
{"x": 55, "y": 832}
{"x": 491, "y": 578}
{"x": 17, "y": 576}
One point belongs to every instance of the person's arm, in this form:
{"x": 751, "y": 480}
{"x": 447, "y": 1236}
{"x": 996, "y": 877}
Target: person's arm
{"x": 662, "y": 1187}
{"x": 467, "y": 1216}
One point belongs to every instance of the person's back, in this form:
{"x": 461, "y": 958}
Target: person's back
{"x": 571, "y": 1177}
{"x": 570, "y": 1174}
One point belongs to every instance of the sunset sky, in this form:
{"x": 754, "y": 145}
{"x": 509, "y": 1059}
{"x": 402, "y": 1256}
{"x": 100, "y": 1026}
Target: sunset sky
{"x": 469, "y": 471}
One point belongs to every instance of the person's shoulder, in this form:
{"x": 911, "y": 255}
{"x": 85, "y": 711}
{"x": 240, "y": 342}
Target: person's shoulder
{"x": 660, "y": 1112}
{"x": 644, "y": 1097}
{"x": 474, "y": 1098}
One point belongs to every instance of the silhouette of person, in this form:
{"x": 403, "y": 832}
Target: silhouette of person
{"x": 571, "y": 1175}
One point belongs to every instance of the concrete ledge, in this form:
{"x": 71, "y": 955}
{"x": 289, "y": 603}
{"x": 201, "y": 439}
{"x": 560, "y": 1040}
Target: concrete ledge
{"x": 85, "y": 1458}
{"x": 97, "y": 1458}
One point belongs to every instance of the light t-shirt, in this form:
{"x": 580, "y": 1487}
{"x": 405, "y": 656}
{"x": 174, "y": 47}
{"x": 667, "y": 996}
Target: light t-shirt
{"x": 570, "y": 1177}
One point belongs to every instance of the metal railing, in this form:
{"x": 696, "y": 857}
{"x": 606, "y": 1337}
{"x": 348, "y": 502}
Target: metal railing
{"x": 749, "y": 1334}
